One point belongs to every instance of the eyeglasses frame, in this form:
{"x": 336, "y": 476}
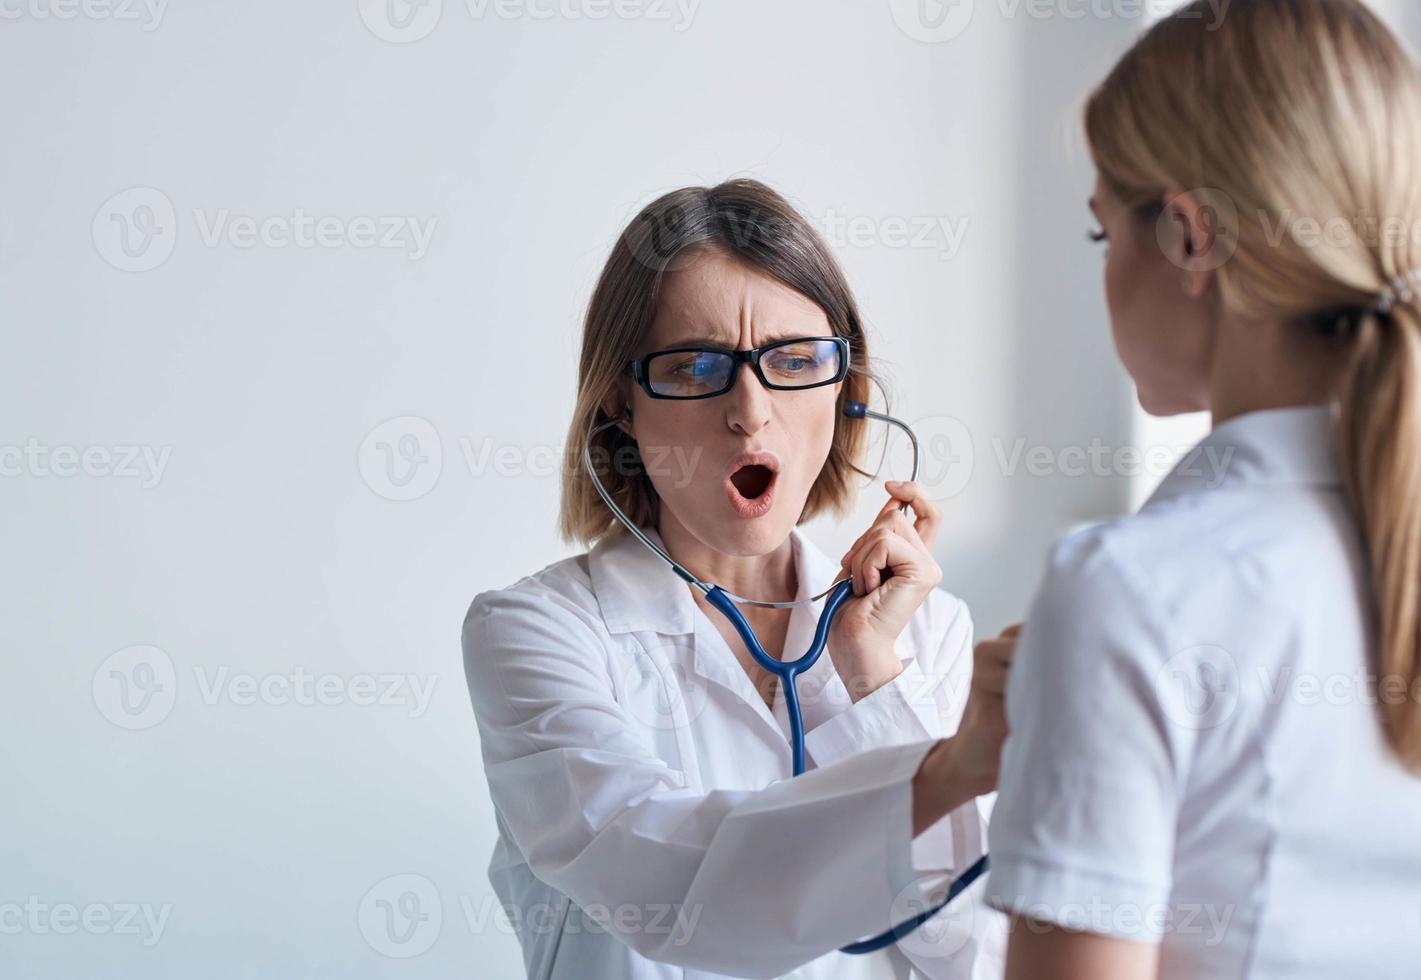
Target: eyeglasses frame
{"x": 640, "y": 365}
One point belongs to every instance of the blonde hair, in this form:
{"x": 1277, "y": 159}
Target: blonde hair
{"x": 1295, "y": 109}
{"x": 747, "y": 220}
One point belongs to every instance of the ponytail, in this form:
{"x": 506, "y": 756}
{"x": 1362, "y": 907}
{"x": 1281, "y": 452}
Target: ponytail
{"x": 1379, "y": 446}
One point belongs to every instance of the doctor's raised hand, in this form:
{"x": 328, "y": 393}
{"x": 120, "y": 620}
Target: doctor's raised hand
{"x": 893, "y": 572}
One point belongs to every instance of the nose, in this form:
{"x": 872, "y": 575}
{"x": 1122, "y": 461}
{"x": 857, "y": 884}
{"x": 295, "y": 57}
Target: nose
{"x": 747, "y": 407}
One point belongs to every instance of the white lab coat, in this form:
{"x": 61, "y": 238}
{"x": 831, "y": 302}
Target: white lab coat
{"x": 649, "y": 825}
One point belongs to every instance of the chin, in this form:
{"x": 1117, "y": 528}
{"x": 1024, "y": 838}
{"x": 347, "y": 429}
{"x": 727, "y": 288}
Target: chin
{"x": 1151, "y": 405}
{"x": 736, "y": 535}
{"x": 1162, "y": 405}
{"x": 759, "y": 536}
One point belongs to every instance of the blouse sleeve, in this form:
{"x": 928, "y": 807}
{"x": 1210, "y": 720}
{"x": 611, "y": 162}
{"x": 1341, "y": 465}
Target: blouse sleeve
{"x": 1096, "y": 763}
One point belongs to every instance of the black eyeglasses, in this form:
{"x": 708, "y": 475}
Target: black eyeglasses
{"x": 704, "y": 372}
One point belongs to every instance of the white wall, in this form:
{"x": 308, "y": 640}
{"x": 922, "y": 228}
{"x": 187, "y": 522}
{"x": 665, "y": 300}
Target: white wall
{"x": 264, "y": 379}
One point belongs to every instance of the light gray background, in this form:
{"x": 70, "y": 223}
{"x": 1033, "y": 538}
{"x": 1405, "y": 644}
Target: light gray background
{"x": 155, "y": 758}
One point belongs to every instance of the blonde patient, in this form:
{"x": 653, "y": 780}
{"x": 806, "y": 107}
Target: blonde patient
{"x": 1173, "y": 803}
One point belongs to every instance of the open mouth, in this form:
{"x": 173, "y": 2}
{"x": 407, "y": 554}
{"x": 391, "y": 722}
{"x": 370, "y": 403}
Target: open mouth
{"x": 750, "y": 483}
{"x": 752, "y": 480}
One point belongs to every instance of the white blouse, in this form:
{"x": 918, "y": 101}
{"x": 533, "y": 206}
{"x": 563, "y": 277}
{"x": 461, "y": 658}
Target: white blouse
{"x": 1195, "y": 756}
{"x": 649, "y": 825}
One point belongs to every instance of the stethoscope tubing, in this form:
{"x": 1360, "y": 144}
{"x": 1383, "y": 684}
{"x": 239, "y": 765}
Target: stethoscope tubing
{"x": 787, "y": 671}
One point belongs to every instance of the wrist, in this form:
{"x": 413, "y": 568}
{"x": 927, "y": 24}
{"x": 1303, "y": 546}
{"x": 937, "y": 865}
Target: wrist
{"x": 866, "y": 670}
{"x": 939, "y": 785}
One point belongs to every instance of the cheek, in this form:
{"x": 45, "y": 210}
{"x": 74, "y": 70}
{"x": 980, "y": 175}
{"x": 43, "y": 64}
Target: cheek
{"x": 1121, "y": 284}
{"x": 813, "y": 435}
{"x": 1132, "y": 296}
{"x": 674, "y": 461}
{"x": 1158, "y": 342}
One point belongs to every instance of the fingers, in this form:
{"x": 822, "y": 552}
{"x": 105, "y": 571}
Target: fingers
{"x": 872, "y": 554}
{"x": 884, "y": 548}
{"x": 929, "y": 516}
{"x": 1012, "y": 630}
{"x": 893, "y": 519}
{"x": 864, "y": 559}
{"x": 890, "y": 517}
{"x": 872, "y": 561}
{"x": 991, "y": 663}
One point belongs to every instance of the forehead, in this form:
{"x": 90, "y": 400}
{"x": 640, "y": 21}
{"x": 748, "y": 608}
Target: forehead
{"x": 722, "y": 300}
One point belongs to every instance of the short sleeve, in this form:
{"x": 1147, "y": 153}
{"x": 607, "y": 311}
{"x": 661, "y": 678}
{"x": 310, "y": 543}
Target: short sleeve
{"x": 1082, "y": 833}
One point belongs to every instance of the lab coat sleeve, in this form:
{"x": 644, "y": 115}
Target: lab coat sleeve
{"x": 763, "y": 880}
{"x": 967, "y": 940}
{"x": 1094, "y": 768}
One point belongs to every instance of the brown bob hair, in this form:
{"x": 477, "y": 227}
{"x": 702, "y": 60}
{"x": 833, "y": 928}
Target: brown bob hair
{"x": 749, "y": 221}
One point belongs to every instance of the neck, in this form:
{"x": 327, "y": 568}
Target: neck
{"x": 1261, "y": 364}
{"x": 770, "y": 577}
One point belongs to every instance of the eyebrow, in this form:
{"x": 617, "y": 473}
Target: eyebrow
{"x": 721, "y": 342}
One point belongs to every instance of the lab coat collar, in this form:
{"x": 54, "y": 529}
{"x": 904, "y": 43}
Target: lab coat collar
{"x": 637, "y": 591}
{"x": 1276, "y": 447}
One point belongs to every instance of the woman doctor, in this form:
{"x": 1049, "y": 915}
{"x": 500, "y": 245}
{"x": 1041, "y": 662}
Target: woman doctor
{"x": 636, "y": 754}
{"x": 1214, "y": 768}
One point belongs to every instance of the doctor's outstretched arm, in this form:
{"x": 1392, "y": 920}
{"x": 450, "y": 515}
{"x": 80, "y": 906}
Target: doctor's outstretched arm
{"x": 763, "y": 880}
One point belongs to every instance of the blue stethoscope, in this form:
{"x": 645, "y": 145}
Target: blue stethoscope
{"x": 787, "y": 671}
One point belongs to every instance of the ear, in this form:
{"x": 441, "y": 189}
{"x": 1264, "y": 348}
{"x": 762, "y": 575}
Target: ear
{"x": 1198, "y": 232}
